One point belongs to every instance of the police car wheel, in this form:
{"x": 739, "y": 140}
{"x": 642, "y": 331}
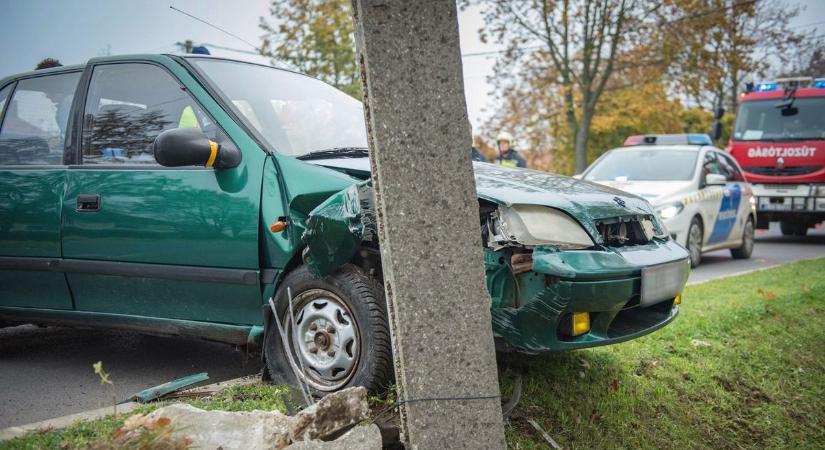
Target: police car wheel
{"x": 744, "y": 251}
{"x": 694, "y": 242}
{"x": 787, "y": 227}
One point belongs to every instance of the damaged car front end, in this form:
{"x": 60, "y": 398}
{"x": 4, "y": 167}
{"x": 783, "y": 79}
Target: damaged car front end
{"x": 569, "y": 264}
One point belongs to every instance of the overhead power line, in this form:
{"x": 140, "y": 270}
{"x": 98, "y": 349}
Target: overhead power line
{"x": 215, "y": 27}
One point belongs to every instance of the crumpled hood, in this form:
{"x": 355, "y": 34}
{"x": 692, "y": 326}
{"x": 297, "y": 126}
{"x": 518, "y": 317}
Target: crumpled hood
{"x": 654, "y": 191}
{"x": 583, "y": 200}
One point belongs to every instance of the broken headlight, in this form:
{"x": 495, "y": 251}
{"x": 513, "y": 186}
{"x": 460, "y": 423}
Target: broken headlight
{"x": 537, "y": 225}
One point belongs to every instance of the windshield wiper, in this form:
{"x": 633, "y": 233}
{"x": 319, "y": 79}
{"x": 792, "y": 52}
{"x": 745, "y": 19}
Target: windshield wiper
{"x": 338, "y": 152}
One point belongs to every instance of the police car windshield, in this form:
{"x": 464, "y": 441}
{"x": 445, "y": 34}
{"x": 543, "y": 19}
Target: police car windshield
{"x": 644, "y": 164}
{"x": 761, "y": 120}
{"x": 296, "y": 114}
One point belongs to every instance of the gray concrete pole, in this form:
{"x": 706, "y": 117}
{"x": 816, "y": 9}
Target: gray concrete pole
{"x": 428, "y": 223}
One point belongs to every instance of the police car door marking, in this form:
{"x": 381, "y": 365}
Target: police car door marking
{"x": 728, "y": 211}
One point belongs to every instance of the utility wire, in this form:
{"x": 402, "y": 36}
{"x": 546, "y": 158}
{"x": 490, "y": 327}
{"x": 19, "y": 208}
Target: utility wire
{"x": 215, "y": 27}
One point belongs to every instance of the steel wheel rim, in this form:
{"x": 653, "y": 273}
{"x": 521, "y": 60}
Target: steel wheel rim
{"x": 326, "y": 339}
{"x": 695, "y": 242}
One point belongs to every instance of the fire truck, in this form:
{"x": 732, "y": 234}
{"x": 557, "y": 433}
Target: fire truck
{"x": 779, "y": 141}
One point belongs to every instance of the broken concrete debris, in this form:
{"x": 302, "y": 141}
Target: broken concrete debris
{"x": 315, "y": 427}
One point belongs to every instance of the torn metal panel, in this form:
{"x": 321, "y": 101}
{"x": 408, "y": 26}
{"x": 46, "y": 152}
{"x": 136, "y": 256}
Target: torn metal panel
{"x": 337, "y": 227}
{"x": 159, "y": 391}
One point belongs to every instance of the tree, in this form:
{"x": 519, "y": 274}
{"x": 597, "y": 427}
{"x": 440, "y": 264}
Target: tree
{"x": 48, "y": 63}
{"x": 713, "y": 46}
{"x": 575, "y": 43}
{"x": 315, "y": 37}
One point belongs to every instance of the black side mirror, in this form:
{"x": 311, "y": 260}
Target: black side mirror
{"x": 190, "y": 147}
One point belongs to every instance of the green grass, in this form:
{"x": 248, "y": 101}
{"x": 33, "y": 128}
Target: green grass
{"x": 743, "y": 366}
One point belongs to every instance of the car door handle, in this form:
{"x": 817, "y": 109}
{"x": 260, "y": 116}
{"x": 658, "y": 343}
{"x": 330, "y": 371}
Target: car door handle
{"x": 88, "y": 202}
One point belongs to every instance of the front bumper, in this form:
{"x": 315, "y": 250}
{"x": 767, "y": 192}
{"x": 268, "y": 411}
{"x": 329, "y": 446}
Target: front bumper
{"x": 789, "y": 199}
{"x": 528, "y": 312}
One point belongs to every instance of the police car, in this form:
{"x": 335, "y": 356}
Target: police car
{"x": 698, "y": 190}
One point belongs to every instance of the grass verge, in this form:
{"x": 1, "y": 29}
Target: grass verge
{"x": 743, "y": 366}
{"x": 97, "y": 433}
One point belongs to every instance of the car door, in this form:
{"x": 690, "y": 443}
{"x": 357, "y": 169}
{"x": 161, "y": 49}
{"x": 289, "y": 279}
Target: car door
{"x": 723, "y": 202}
{"x": 739, "y": 193}
{"x": 145, "y": 240}
{"x": 32, "y": 178}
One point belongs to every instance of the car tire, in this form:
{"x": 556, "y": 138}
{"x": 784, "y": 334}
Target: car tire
{"x": 744, "y": 251}
{"x": 694, "y": 241}
{"x": 787, "y": 227}
{"x": 801, "y": 229}
{"x": 346, "y": 337}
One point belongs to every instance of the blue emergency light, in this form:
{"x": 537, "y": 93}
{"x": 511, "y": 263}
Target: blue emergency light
{"x": 765, "y": 87}
{"x": 819, "y": 83}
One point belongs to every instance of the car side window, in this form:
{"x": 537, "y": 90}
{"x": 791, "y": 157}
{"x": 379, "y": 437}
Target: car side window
{"x": 729, "y": 168}
{"x": 128, "y": 105}
{"x": 36, "y": 120}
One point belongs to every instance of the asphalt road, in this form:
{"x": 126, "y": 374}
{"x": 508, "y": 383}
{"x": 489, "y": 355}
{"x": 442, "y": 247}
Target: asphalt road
{"x": 47, "y": 372}
{"x": 770, "y": 249}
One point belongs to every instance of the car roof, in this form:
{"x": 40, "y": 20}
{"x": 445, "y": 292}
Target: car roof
{"x": 134, "y": 57}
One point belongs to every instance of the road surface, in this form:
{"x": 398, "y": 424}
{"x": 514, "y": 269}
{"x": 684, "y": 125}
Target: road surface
{"x": 47, "y": 372}
{"x": 770, "y": 249}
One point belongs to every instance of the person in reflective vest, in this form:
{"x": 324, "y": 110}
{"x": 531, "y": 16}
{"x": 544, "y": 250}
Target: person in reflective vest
{"x": 508, "y": 156}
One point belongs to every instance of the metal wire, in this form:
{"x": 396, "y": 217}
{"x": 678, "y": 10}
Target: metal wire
{"x": 285, "y": 343}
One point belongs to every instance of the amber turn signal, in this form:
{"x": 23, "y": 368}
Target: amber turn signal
{"x": 277, "y": 226}
{"x": 581, "y": 323}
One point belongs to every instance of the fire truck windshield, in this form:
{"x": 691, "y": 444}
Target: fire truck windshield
{"x": 761, "y": 120}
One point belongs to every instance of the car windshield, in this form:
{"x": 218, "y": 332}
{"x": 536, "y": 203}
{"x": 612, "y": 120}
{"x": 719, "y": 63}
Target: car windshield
{"x": 644, "y": 165}
{"x": 296, "y": 114}
{"x": 761, "y": 120}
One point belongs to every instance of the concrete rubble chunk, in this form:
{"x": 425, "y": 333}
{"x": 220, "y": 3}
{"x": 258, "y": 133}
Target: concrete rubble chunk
{"x": 332, "y": 413}
{"x": 358, "y": 438}
{"x": 259, "y": 430}
{"x": 211, "y": 430}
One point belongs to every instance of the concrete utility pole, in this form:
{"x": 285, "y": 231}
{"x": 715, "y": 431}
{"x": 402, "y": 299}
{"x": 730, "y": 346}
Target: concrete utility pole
{"x": 428, "y": 223}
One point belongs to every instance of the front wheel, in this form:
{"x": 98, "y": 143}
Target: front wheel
{"x": 341, "y": 336}
{"x": 694, "y": 242}
{"x": 744, "y": 251}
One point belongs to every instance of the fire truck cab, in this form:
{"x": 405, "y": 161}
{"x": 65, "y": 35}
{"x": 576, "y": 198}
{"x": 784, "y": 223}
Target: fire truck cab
{"x": 779, "y": 141}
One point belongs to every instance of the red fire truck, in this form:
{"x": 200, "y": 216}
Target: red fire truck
{"x": 779, "y": 140}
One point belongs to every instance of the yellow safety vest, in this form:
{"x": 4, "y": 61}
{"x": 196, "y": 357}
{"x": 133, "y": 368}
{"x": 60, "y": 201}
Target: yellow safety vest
{"x": 507, "y": 162}
{"x": 188, "y": 119}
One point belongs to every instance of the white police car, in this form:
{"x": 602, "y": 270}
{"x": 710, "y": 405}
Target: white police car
{"x": 698, "y": 190}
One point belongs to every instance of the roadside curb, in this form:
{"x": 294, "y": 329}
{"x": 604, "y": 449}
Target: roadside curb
{"x": 65, "y": 421}
{"x": 58, "y": 423}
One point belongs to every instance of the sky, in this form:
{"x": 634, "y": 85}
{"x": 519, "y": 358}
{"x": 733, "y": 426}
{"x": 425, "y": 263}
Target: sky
{"x": 76, "y": 30}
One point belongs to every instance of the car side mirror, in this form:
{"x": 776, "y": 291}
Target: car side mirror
{"x": 714, "y": 179}
{"x": 190, "y": 147}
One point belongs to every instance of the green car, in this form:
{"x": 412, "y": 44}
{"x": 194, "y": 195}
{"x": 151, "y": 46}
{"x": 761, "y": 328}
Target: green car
{"x": 177, "y": 195}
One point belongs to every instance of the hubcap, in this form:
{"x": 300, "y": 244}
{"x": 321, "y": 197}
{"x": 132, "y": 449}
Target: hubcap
{"x": 326, "y": 339}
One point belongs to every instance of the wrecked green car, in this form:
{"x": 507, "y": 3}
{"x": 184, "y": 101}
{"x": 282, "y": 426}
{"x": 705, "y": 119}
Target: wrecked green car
{"x": 177, "y": 195}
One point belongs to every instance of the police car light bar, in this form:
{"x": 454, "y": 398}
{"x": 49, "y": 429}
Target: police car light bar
{"x": 668, "y": 139}
{"x": 785, "y": 83}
